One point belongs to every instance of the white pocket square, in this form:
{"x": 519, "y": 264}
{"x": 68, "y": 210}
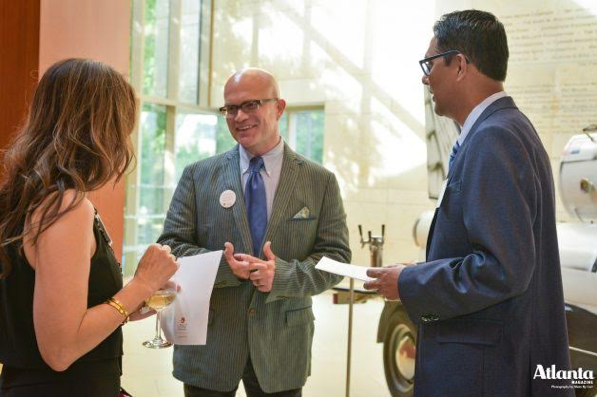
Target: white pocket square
{"x": 304, "y": 213}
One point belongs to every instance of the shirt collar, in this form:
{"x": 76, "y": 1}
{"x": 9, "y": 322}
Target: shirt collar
{"x": 269, "y": 158}
{"x": 477, "y": 111}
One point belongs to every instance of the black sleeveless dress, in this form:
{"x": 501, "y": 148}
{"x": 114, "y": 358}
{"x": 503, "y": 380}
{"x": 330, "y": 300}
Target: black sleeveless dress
{"x": 97, "y": 373}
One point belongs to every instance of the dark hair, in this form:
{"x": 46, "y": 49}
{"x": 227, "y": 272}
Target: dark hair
{"x": 76, "y": 136}
{"x": 479, "y": 36}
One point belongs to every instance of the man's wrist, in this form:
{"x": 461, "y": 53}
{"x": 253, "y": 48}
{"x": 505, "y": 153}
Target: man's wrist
{"x": 401, "y": 268}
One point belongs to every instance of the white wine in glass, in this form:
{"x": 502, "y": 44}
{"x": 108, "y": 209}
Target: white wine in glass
{"x": 160, "y": 299}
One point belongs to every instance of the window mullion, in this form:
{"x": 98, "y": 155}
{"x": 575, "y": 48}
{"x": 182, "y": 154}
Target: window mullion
{"x": 206, "y": 53}
{"x": 133, "y": 178}
{"x": 137, "y": 45}
{"x": 169, "y": 153}
{"x": 175, "y": 16}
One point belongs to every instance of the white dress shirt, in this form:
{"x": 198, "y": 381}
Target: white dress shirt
{"x": 474, "y": 115}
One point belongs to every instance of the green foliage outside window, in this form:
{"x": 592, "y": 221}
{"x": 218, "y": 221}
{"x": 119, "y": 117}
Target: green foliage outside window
{"x": 303, "y": 131}
{"x": 283, "y": 124}
{"x": 149, "y": 46}
{"x": 155, "y": 47}
{"x": 195, "y": 139}
{"x": 151, "y": 189}
{"x": 224, "y": 140}
{"x": 309, "y": 134}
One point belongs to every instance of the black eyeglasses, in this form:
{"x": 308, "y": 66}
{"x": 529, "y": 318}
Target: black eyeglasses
{"x": 248, "y": 107}
{"x": 426, "y": 64}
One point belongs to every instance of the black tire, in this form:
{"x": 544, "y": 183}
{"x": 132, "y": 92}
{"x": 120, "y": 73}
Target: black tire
{"x": 401, "y": 336}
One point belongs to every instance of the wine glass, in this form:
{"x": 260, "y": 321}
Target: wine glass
{"x": 160, "y": 299}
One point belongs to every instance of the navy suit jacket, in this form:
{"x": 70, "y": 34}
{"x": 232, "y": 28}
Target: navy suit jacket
{"x": 488, "y": 302}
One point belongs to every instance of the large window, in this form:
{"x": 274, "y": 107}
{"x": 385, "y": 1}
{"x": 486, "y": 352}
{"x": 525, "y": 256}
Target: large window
{"x": 151, "y": 189}
{"x": 303, "y": 129}
{"x": 169, "y": 70}
{"x": 177, "y": 126}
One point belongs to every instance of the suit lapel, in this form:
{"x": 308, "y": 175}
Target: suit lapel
{"x": 284, "y": 192}
{"x": 232, "y": 181}
{"x": 502, "y": 103}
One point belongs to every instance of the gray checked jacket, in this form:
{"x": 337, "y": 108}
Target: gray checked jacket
{"x": 275, "y": 329}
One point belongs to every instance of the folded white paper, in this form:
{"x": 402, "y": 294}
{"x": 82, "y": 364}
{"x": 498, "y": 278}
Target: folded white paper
{"x": 343, "y": 269}
{"x": 184, "y": 322}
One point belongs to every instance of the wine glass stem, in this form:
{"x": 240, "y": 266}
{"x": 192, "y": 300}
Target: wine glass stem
{"x": 158, "y": 328}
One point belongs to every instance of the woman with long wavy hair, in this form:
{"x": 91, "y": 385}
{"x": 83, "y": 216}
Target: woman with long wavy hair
{"x": 62, "y": 301}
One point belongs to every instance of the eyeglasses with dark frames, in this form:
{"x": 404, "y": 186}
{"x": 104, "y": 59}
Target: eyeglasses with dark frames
{"x": 426, "y": 64}
{"x": 247, "y": 107}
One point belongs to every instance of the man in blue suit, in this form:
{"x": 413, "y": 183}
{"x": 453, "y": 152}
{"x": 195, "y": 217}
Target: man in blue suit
{"x": 488, "y": 302}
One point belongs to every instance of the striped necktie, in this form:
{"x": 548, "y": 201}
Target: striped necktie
{"x": 453, "y": 154}
{"x": 256, "y": 204}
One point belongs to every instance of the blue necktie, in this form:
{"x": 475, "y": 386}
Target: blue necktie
{"x": 256, "y": 204}
{"x": 453, "y": 154}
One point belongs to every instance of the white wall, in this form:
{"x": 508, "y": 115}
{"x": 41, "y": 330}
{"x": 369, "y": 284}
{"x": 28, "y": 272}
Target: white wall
{"x": 358, "y": 58}
{"x": 551, "y": 73}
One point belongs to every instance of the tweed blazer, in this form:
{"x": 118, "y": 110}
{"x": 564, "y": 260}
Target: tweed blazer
{"x": 489, "y": 300}
{"x": 275, "y": 328}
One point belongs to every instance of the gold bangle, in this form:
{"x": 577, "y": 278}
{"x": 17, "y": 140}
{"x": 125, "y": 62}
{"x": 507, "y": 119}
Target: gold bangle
{"x": 116, "y": 304}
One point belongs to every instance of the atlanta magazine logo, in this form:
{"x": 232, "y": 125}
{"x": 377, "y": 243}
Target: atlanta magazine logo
{"x": 579, "y": 378}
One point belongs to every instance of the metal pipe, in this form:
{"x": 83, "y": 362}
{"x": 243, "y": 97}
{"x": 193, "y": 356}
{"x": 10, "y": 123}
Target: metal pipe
{"x": 350, "y": 306}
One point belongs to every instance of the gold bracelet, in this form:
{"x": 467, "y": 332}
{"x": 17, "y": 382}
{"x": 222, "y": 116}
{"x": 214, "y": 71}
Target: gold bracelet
{"x": 116, "y": 304}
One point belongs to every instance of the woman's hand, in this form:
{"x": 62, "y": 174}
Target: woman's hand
{"x": 156, "y": 267}
{"x": 145, "y": 311}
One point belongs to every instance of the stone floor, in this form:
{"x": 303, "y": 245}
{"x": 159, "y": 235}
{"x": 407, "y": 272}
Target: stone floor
{"x": 147, "y": 373}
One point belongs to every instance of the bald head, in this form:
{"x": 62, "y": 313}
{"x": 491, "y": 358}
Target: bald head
{"x": 254, "y": 127}
{"x": 256, "y": 77}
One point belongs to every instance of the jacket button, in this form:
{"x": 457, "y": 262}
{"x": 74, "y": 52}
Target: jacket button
{"x": 251, "y": 312}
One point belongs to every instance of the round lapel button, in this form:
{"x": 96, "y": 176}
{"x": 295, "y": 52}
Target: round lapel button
{"x": 227, "y": 198}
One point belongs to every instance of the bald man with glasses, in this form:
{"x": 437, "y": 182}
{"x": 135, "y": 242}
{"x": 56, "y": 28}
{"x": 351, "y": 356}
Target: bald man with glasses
{"x": 276, "y": 214}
